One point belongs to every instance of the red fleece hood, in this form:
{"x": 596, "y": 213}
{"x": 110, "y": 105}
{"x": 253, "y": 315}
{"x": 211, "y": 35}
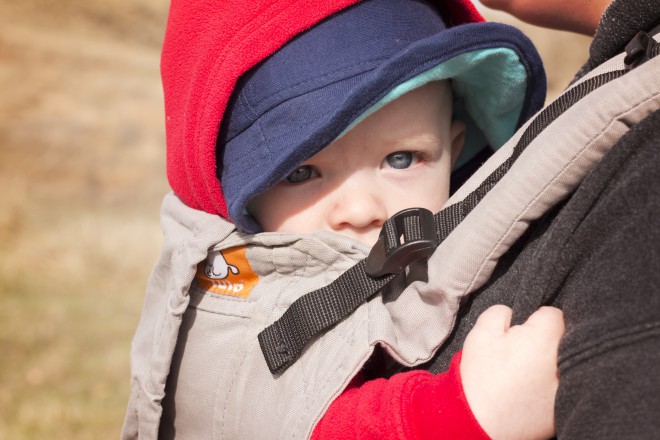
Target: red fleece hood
{"x": 208, "y": 45}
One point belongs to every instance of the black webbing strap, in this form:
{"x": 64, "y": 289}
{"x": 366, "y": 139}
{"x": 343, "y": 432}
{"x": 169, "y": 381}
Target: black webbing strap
{"x": 405, "y": 238}
{"x": 447, "y": 219}
{"x": 311, "y": 314}
{"x": 640, "y": 49}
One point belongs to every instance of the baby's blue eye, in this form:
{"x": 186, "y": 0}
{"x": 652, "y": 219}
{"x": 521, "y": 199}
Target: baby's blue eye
{"x": 302, "y": 174}
{"x": 400, "y": 160}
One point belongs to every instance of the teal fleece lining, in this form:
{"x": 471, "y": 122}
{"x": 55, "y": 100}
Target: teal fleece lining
{"x": 489, "y": 88}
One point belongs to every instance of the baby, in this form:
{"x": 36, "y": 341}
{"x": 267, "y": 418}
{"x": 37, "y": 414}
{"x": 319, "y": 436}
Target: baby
{"x": 350, "y": 120}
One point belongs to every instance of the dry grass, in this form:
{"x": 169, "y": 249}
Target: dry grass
{"x": 82, "y": 172}
{"x": 81, "y": 166}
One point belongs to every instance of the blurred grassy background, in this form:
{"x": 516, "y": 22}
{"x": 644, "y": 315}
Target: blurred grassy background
{"x": 82, "y": 174}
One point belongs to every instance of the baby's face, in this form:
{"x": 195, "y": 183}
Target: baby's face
{"x": 398, "y": 157}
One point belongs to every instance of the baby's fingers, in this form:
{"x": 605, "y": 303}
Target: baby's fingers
{"x": 495, "y": 320}
{"x": 547, "y": 322}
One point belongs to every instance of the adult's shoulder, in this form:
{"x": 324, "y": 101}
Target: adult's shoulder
{"x": 620, "y": 22}
{"x": 610, "y": 294}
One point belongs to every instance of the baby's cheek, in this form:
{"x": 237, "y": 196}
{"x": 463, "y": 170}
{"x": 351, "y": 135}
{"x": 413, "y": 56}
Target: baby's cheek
{"x": 293, "y": 223}
{"x": 431, "y": 192}
{"x": 293, "y": 217}
{"x": 272, "y": 209}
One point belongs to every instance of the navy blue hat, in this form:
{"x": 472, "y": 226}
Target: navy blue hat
{"x": 327, "y": 79}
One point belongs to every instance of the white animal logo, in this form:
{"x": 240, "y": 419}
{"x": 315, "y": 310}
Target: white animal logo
{"x": 217, "y": 267}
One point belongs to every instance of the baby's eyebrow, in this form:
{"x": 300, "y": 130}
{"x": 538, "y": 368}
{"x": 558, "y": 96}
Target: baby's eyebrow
{"x": 416, "y": 142}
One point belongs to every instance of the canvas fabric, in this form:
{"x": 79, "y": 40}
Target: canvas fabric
{"x": 203, "y": 344}
{"x": 549, "y": 169}
{"x": 197, "y": 371}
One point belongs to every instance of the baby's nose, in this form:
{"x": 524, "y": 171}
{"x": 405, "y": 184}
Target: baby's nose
{"x": 359, "y": 204}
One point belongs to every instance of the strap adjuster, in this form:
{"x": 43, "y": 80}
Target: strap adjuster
{"x": 639, "y": 50}
{"x": 391, "y": 255}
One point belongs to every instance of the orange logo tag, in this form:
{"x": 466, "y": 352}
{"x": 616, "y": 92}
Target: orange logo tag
{"x": 227, "y": 272}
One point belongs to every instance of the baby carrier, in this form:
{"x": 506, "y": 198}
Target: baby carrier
{"x": 552, "y": 153}
{"x": 283, "y": 358}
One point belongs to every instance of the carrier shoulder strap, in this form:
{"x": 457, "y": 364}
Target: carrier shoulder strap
{"x": 412, "y": 235}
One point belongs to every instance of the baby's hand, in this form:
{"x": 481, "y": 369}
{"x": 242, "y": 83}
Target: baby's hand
{"x": 509, "y": 373}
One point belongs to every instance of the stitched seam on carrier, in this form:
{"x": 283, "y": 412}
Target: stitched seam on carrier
{"x": 615, "y": 119}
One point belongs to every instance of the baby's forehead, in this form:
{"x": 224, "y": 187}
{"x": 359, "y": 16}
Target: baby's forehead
{"x": 419, "y": 118}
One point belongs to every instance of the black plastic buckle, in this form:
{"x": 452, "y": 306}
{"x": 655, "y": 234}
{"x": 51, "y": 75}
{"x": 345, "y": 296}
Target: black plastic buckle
{"x": 382, "y": 261}
{"x": 638, "y": 50}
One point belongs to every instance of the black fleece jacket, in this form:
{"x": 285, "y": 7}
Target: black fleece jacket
{"x": 596, "y": 256}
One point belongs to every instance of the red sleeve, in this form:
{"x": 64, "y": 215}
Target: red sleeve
{"x": 411, "y": 405}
